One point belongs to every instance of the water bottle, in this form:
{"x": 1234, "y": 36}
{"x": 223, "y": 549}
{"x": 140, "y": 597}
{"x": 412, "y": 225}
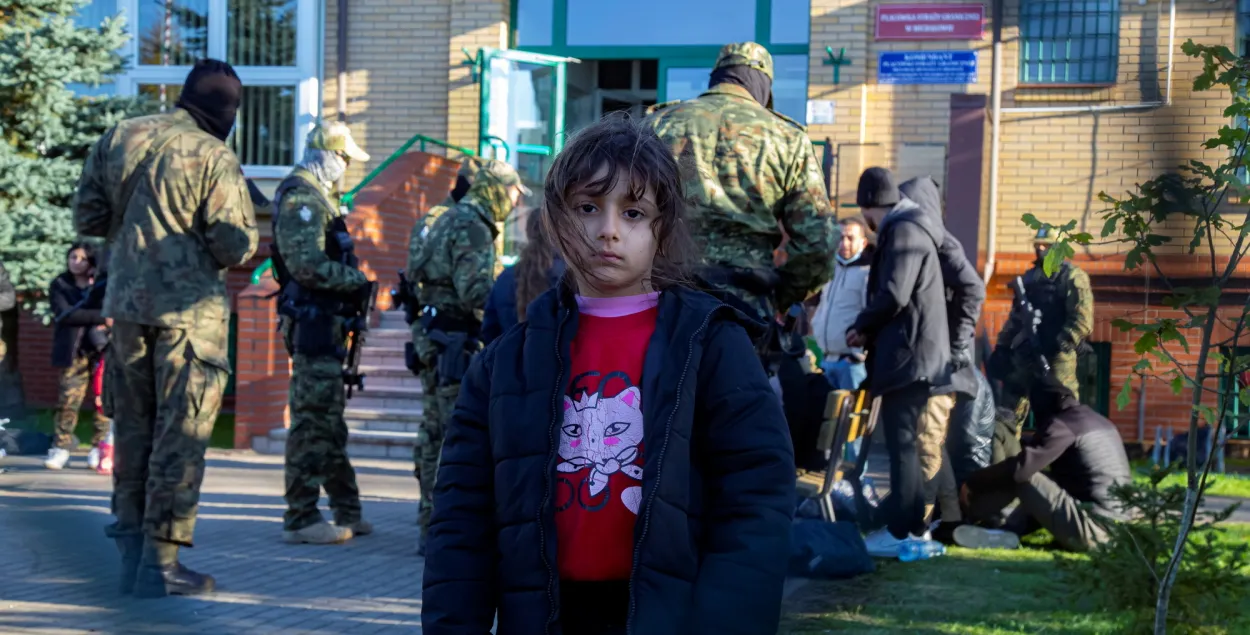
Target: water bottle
{"x": 913, "y": 550}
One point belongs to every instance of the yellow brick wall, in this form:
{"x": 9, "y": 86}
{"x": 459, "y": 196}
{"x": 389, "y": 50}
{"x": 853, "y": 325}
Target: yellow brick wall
{"x": 1052, "y": 165}
{"x": 475, "y": 24}
{"x": 397, "y": 75}
{"x": 1055, "y": 165}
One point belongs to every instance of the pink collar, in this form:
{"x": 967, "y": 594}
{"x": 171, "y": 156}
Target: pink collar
{"x": 617, "y": 307}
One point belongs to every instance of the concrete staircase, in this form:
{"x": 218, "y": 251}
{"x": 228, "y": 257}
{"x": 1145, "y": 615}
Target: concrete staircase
{"x": 382, "y": 419}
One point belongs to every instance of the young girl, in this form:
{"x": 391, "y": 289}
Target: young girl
{"x": 78, "y": 344}
{"x": 620, "y": 464}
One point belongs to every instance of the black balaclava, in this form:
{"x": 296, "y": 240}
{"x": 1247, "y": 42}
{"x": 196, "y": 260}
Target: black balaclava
{"x": 211, "y": 95}
{"x": 462, "y": 188}
{"x": 754, "y": 80}
{"x": 1048, "y": 397}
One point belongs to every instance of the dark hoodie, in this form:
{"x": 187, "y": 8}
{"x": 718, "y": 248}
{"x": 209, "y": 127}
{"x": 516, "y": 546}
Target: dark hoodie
{"x": 965, "y": 291}
{"x": 905, "y": 320}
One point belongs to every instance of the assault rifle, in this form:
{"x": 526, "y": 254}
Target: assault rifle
{"x": 1030, "y": 319}
{"x": 357, "y": 324}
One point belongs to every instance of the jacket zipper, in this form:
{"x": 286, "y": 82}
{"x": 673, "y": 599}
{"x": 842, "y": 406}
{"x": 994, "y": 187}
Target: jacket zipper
{"x": 659, "y": 467}
{"x": 551, "y": 450}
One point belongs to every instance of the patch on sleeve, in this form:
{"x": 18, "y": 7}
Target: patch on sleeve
{"x": 305, "y": 214}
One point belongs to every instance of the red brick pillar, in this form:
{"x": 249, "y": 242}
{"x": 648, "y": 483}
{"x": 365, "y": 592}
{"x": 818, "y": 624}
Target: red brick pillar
{"x": 263, "y": 369}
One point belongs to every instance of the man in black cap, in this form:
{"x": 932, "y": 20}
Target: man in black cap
{"x": 170, "y": 196}
{"x": 904, "y": 327}
{"x": 1062, "y": 477}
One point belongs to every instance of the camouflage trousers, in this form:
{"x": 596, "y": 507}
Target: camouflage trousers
{"x": 1013, "y": 406}
{"x": 74, "y": 386}
{"x": 169, "y": 384}
{"x": 316, "y": 447}
{"x": 429, "y": 446}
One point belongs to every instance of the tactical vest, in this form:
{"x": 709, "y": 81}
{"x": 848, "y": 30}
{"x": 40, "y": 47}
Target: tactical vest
{"x": 1047, "y": 295}
{"x": 339, "y": 246}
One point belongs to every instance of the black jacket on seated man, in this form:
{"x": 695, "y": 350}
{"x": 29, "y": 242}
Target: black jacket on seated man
{"x": 1075, "y": 458}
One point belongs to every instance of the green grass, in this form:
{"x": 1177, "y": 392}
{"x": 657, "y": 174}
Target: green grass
{"x": 965, "y": 593}
{"x": 1231, "y": 485}
{"x": 223, "y": 430}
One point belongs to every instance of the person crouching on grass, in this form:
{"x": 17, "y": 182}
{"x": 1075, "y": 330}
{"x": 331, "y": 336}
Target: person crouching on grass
{"x": 619, "y": 464}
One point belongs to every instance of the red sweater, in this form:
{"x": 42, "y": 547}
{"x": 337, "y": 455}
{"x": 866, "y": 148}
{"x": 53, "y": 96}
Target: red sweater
{"x": 599, "y": 475}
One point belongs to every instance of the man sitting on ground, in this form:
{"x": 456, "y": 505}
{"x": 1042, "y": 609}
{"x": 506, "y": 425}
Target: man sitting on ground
{"x": 1083, "y": 456}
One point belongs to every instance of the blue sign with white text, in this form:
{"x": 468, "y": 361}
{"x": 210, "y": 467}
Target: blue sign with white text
{"x": 927, "y": 67}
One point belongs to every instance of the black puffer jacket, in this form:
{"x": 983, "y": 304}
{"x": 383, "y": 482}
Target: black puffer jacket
{"x": 77, "y": 312}
{"x": 712, "y": 536}
{"x": 905, "y": 320}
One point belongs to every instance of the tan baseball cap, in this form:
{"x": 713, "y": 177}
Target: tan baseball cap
{"x": 503, "y": 174}
{"x": 336, "y": 137}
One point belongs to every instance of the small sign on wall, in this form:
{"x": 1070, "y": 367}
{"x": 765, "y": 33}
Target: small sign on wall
{"x": 927, "y": 67}
{"x": 820, "y": 111}
{"x": 930, "y": 21}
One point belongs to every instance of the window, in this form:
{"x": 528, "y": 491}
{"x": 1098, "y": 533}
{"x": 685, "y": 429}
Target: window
{"x": 534, "y": 22}
{"x": 682, "y": 23}
{"x": 1093, "y": 374}
{"x": 791, "y": 21}
{"x": 1069, "y": 41}
{"x": 1243, "y": 28}
{"x": 272, "y": 44}
{"x": 790, "y": 86}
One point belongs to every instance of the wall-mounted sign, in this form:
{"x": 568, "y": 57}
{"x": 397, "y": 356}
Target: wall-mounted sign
{"x": 930, "y": 21}
{"x": 820, "y": 111}
{"x": 927, "y": 67}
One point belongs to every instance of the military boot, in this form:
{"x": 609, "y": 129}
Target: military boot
{"x": 161, "y": 574}
{"x": 131, "y": 549}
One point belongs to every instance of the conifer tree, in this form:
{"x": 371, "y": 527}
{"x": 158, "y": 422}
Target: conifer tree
{"x": 46, "y": 129}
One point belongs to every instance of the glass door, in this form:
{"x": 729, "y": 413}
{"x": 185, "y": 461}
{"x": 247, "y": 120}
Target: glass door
{"x": 522, "y": 122}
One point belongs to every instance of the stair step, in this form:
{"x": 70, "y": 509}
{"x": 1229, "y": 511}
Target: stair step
{"x": 411, "y": 414}
{"x": 360, "y": 443}
{"x": 383, "y": 426}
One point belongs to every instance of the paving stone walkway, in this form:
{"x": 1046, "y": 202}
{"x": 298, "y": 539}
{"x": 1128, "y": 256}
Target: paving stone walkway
{"x": 58, "y": 572}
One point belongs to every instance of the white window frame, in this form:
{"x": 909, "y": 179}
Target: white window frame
{"x": 303, "y": 76}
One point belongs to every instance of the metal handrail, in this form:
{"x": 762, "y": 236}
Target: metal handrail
{"x": 349, "y": 198}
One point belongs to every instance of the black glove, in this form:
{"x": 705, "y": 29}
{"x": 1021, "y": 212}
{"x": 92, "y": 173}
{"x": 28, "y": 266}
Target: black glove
{"x": 961, "y": 358}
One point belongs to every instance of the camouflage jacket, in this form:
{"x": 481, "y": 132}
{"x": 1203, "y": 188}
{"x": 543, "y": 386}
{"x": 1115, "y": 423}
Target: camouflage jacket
{"x": 454, "y": 265}
{"x": 189, "y": 219}
{"x": 304, "y": 215}
{"x": 1077, "y": 296}
{"x": 749, "y": 172}
{"x": 419, "y": 232}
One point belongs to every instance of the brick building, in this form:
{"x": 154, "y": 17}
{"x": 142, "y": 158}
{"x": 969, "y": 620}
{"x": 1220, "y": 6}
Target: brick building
{"x": 1095, "y": 95}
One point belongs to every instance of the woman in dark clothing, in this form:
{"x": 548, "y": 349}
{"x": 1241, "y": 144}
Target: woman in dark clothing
{"x": 618, "y": 464}
{"x": 539, "y": 268}
{"x": 78, "y": 345}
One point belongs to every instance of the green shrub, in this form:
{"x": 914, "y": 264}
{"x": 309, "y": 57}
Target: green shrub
{"x": 1211, "y": 583}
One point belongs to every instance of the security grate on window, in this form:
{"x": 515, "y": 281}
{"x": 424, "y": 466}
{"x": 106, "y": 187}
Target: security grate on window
{"x": 1069, "y": 41}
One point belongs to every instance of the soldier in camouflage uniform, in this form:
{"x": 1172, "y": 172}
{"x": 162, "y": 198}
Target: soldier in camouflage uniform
{"x": 170, "y": 197}
{"x": 317, "y": 271}
{"x": 750, "y": 172}
{"x": 1066, "y": 305}
{"x": 454, "y": 269}
{"x": 429, "y": 387}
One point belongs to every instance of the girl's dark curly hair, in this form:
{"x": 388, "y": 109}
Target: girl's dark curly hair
{"x": 630, "y": 150}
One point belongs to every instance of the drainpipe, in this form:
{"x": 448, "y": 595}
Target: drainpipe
{"x": 341, "y": 58}
{"x": 996, "y": 126}
{"x": 996, "y": 97}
